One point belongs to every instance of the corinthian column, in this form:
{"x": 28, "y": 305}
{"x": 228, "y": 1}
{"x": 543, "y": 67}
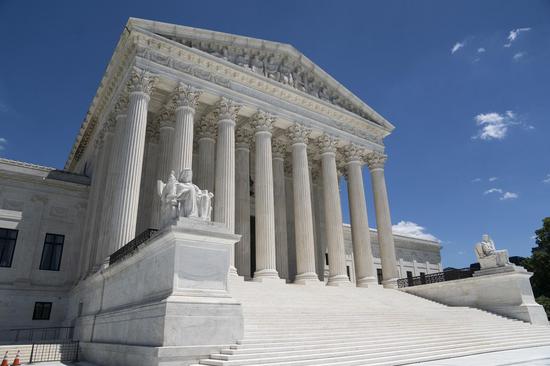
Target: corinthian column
{"x": 148, "y": 178}
{"x": 333, "y": 213}
{"x": 127, "y": 185}
{"x": 281, "y": 245}
{"x": 365, "y": 272}
{"x": 303, "y": 219}
{"x": 266, "y": 260}
{"x": 224, "y": 201}
{"x": 185, "y": 100}
{"x": 376, "y": 161}
{"x": 243, "y": 138}
{"x": 118, "y": 129}
{"x": 206, "y": 135}
{"x": 166, "y": 142}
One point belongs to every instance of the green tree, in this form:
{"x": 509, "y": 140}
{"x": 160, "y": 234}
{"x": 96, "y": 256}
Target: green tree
{"x": 539, "y": 264}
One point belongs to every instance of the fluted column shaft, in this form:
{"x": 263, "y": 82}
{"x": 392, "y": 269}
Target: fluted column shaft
{"x": 127, "y": 185}
{"x": 185, "y": 100}
{"x": 206, "y": 134}
{"x": 333, "y": 214}
{"x": 303, "y": 219}
{"x": 103, "y": 244}
{"x": 224, "y": 201}
{"x": 166, "y": 146}
{"x": 266, "y": 259}
{"x": 279, "y": 191}
{"x": 242, "y": 202}
{"x": 148, "y": 192}
{"x": 365, "y": 272}
{"x": 376, "y": 163}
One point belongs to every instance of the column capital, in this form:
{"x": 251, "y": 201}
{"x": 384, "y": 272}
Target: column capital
{"x": 279, "y": 149}
{"x": 376, "y": 160}
{"x": 299, "y": 134}
{"x": 243, "y": 138}
{"x": 327, "y": 144}
{"x": 186, "y": 96}
{"x": 152, "y": 133}
{"x": 262, "y": 121}
{"x": 141, "y": 81}
{"x": 226, "y": 109}
{"x": 206, "y": 128}
{"x": 354, "y": 154}
{"x": 121, "y": 105}
{"x": 165, "y": 118}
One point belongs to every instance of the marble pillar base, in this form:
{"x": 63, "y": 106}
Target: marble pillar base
{"x": 339, "y": 280}
{"x": 501, "y": 290}
{"x": 391, "y": 283}
{"x": 171, "y": 295}
{"x": 308, "y": 279}
{"x": 266, "y": 275}
{"x": 369, "y": 282}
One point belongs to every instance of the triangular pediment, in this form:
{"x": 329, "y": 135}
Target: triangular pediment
{"x": 276, "y": 61}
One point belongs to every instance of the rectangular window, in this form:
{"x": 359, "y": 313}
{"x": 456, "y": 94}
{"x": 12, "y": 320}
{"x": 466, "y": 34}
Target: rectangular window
{"x": 326, "y": 259}
{"x": 51, "y": 254}
{"x": 379, "y": 274}
{"x": 347, "y": 270}
{"x": 8, "y": 237}
{"x": 42, "y": 311}
{"x": 423, "y": 278}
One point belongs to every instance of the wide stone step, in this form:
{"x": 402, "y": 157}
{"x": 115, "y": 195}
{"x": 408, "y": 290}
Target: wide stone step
{"x": 380, "y": 343}
{"x": 394, "y": 346}
{"x": 367, "y": 356}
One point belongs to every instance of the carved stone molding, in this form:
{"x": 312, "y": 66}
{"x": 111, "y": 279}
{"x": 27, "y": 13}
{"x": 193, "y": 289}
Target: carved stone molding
{"x": 262, "y": 121}
{"x": 279, "y": 149}
{"x": 226, "y": 109}
{"x": 376, "y": 160}
{"x": 299, "y": 134}
{"x": 327, "y": 144}
{"x": 186, "y": 96}
{"x": 141, "y": 81}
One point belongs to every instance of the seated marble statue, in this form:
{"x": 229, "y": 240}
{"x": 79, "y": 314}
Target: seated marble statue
{"x": 181, "y": 198}
{"x": 488, "y": 256}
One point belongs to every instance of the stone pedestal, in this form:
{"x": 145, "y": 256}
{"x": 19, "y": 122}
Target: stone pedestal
{"x": 501, "y": 290}
{"x": 166, "y": 302}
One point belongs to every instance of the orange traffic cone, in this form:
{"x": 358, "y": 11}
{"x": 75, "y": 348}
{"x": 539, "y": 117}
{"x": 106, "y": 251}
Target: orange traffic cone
{"x": 5, "y": 360}
{"x": 16, "y": 362}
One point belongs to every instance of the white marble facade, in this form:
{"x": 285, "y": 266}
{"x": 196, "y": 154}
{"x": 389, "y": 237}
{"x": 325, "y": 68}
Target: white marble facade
{"x": 263, "y": 128}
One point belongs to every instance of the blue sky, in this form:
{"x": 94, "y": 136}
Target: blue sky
{"x": 470, "y": 151}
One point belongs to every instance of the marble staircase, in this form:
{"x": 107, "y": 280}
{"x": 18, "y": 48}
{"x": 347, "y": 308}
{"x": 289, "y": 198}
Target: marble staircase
{"x": 316, "y": 325}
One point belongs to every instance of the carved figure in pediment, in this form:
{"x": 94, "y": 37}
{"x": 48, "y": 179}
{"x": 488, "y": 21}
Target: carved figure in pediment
{"x": 323, "y": 93}
{"x": 271, "y": 67}
{"x": 256, "y": 64}
{"x": 242, "y": 59}
{"x": 285, "y": 71}
{"x": 299, "y": 76}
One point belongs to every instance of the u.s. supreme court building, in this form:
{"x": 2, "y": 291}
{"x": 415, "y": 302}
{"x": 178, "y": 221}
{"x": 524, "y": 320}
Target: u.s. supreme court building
{"x": 273, "y": 137}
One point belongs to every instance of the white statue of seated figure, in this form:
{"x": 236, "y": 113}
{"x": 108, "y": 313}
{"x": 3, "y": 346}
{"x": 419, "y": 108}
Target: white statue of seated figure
{"x": 488, "y": 256}
{"x": 182, "y": 198}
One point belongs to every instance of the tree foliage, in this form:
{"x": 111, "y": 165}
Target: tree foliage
{"x": 539, "y": 264}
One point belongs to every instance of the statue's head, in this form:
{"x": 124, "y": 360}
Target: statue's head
{"x": 485, "y": 238}
{"x": 172, "y": 177}
{"x": 186, "y": 176}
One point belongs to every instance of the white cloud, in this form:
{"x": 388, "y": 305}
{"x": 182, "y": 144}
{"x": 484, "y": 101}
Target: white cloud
{"x": 546, "y": 179}
{"x": 457, "y": 46}
{"x": 495, "y": 126}
{"x": 509, "y": 196}
{"x": 475, "y": 180}
{"x": 409, "y": 228}
{"x": 513, "y": 35}
{"x": 480, "y": 50}
{"x": 518, "y": 56}
{"x": 492, "y": 179}
{"x": 493, "y": 190}
{"x": 3, "y": 143}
